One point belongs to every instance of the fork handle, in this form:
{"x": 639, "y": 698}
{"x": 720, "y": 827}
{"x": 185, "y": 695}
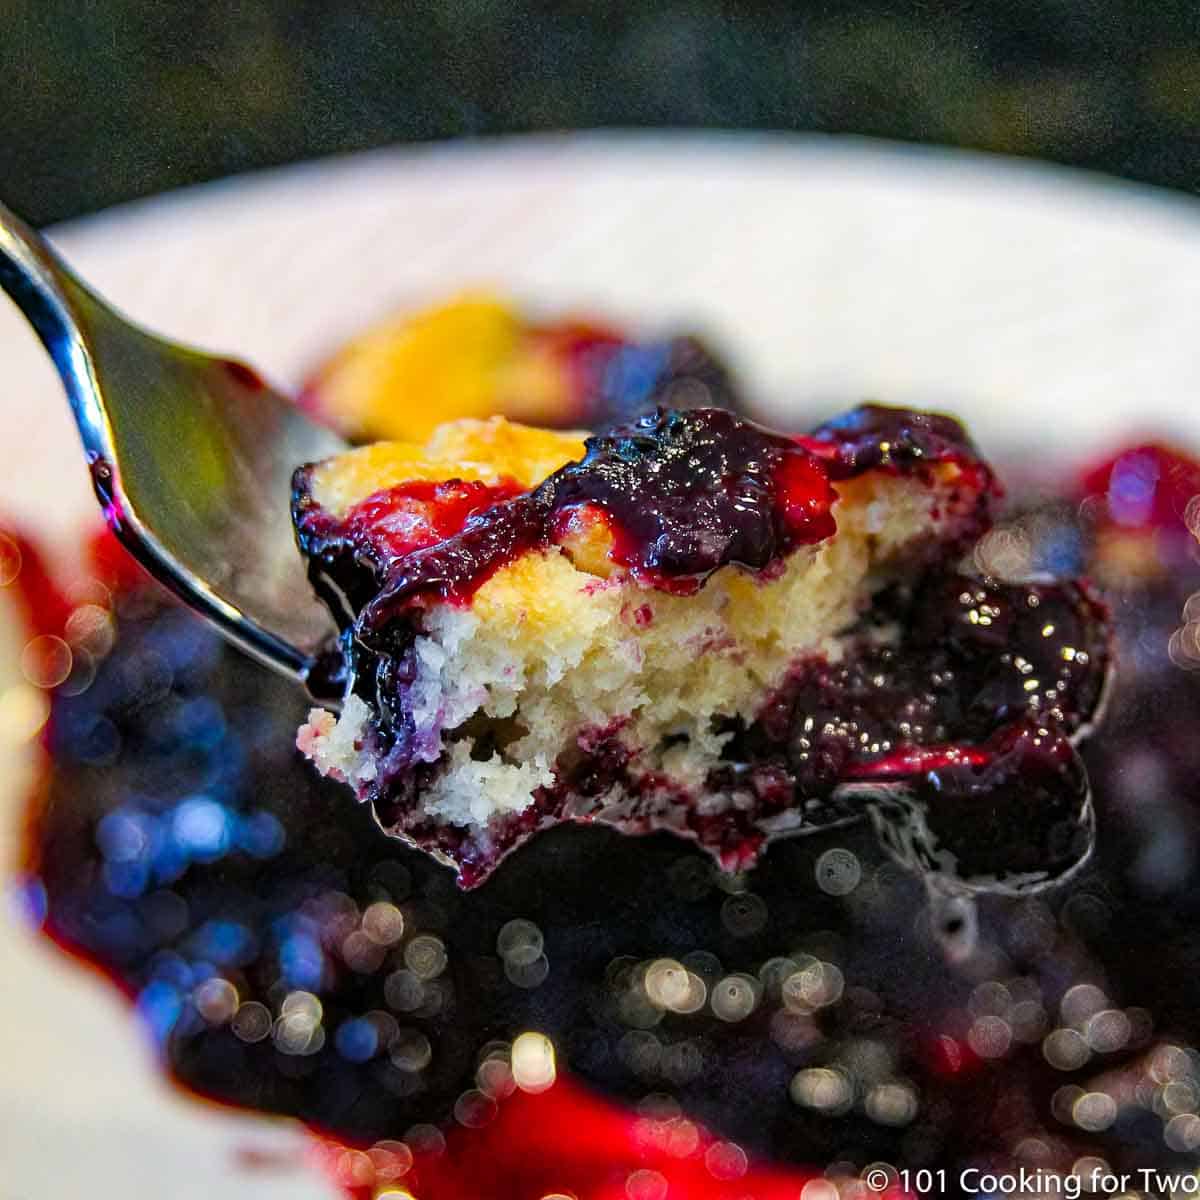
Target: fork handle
{"x": 61, "y": 310}
{"x": 38, "y": 282}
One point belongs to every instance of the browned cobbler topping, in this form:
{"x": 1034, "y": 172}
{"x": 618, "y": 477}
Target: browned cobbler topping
{"x": 693, "y": 623}
{"x": 479, "y": 355}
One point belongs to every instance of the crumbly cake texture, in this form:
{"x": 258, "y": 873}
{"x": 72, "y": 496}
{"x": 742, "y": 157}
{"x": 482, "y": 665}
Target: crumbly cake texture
{"x": 690, "y": 624}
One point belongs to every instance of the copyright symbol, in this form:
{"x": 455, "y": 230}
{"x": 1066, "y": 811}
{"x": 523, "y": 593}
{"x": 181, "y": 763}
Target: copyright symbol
{"x": 877, "y": 1179}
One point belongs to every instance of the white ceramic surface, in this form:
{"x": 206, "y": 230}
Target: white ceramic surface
{"x": 1024, "y": 297}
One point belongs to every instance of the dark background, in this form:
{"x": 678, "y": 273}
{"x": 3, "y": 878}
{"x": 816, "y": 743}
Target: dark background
{"x": 105, "y": 100}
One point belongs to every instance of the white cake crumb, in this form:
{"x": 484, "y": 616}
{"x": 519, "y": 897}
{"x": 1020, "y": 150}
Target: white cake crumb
{"x": 335, "y": 744}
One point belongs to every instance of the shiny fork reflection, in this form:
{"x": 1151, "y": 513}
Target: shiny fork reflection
{"x": 191, "y": 456}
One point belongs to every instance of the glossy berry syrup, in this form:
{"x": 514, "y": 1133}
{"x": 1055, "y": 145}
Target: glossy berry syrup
{"x": 687, "y": 492}
{"x": 958, "y": 736}
{"x": 682, "y": 492}
{"x": 613, "y": 380}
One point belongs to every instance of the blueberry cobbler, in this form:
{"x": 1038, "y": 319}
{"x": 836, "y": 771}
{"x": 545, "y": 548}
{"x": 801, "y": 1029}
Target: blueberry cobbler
{"x": 690, "y": 623}
{"x": 479, "y": 355}
{"x": 713, "y": 636}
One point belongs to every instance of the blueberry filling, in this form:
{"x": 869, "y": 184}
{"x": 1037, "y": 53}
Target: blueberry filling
{"x": 615, "y": 380}
{"x": 683, "y": 492}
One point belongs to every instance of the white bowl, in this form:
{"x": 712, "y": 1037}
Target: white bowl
{"x": 1048, "y": 307}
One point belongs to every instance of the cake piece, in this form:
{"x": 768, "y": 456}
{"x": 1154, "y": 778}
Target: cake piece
{"x": 690, "y": 623}
{"x": 477, "y": 355}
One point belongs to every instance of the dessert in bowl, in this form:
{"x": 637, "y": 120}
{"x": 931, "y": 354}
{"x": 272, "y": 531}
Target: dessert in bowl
{"x": 477, "y": 354}
{"x": 290, "y": 957}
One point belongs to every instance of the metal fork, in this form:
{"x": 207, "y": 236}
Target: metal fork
{"x": 191, "y": 456}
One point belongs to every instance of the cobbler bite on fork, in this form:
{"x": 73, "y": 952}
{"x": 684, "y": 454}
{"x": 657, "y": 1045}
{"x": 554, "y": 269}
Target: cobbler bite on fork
{"x": 694, "y": 624}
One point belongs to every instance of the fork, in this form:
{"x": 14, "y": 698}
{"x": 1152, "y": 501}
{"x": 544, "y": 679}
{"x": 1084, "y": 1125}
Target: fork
{"x": 191, "y": 457}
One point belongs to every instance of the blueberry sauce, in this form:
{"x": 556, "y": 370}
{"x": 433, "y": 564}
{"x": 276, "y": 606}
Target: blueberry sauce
{"x": 1020, "y": 816}
{"x": 614, "y": 380}
{"x": 400, "y": 520}
{"x": 985, "y": 678}
{"x": 973, "y": 657}
{"x": 687, "y": 492}
{"x": 683, "y": 493}
{"x": 878, "y": 436}
{"x": 349, "y": 557}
